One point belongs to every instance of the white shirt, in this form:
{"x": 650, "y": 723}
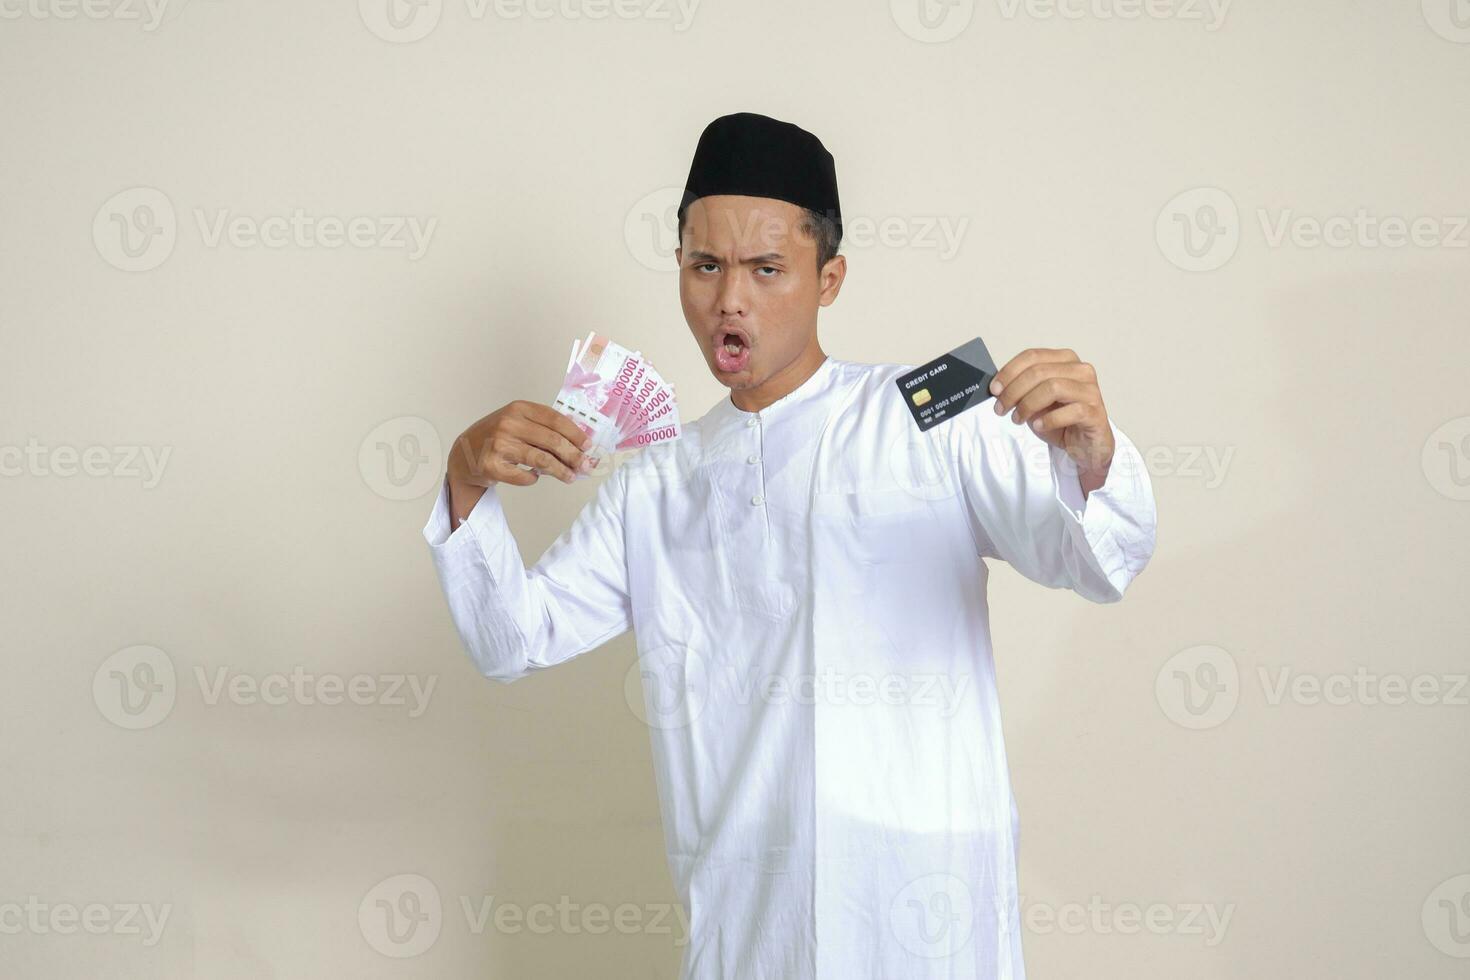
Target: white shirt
{"x": 807, "y": 589}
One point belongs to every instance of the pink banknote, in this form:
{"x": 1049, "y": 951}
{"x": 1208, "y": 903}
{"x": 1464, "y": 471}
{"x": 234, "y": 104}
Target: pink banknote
{"x": 617, "y": 397}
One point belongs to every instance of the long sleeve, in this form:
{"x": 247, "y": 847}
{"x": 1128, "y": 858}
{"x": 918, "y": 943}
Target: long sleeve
{"x": 513, "y": 620}
{"x": 1028, "y": 509}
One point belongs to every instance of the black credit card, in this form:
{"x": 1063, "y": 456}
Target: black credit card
{"x": 948, "y": 385}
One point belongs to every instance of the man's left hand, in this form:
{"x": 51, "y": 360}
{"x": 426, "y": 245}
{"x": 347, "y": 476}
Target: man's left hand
{"x": 1056, "y": 393}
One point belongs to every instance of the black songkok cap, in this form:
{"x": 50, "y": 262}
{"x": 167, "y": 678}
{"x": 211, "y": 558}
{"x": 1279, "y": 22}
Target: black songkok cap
{"x": 757, "y": 156}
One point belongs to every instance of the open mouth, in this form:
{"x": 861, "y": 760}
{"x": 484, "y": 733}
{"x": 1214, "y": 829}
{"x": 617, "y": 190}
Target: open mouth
{"x": 732, "y": 351}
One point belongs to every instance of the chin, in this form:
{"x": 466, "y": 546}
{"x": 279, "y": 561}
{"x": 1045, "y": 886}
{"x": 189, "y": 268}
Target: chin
{"x": 734, "y": 379}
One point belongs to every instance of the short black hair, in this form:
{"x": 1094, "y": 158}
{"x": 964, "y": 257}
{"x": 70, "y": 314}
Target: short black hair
{"x": 819, "y": 226}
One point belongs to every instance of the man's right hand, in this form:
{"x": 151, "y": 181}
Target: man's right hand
{"x": 522, "y": 432}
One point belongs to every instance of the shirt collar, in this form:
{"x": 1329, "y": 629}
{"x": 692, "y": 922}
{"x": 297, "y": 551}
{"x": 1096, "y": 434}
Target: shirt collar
{"x": 814, "y": 385}
{"x": 726, "y": 418}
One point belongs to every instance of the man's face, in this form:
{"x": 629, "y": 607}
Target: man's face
{"x": 750, "y": 287}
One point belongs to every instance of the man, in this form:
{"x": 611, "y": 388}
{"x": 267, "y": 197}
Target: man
{"x": 804, "y": 572}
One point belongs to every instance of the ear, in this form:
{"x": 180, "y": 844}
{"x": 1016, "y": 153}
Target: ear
{"x": 833, "y": 273}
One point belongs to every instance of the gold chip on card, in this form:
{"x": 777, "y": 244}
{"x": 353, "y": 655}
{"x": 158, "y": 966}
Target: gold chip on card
{"x": 921, "y": 397}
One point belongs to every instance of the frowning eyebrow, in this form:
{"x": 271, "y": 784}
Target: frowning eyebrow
{"x": 698, "y": 256}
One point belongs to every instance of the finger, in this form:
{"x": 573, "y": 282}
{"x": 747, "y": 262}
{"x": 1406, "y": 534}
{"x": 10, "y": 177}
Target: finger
{"x": 1056, "y": 390}
{"x": 506, "y": 472}
{"x": 1022, "y": 372}
{"x": 1024, "y": 383}
{"x": 547, "y": 463}
{"x": 1025, "y": 359}
{"x": 541, "y": 461}
{"x": 552, "y": 419}
{"x": 1060, "y": 418}
{"x": 533, "y": 433}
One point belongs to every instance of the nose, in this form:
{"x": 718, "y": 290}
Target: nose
{"x": 732, "y": 293}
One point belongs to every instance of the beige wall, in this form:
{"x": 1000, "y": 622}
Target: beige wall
{"x": 1305, "y": 407}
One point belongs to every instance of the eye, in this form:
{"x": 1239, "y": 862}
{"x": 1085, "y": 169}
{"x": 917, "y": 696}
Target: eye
{"x": 771, "y": 267}
{"x": 706, "y": 265}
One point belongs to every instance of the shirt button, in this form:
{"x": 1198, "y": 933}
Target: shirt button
{"x": 752, "y": 420}
{"x": 757, "y": 500}
{"x": 752, "y": 458}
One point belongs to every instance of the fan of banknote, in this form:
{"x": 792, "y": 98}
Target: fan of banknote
{"x": 616, "y": 397}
